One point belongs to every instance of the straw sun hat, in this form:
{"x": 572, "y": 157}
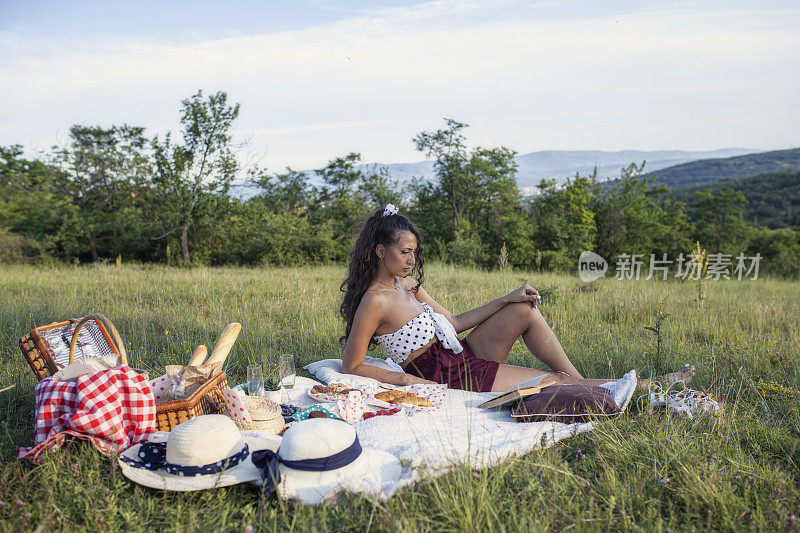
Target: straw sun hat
{"x": 319, "y": 457}
{"x": 202, "y": 453}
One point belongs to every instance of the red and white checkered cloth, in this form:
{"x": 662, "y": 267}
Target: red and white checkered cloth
{"x": 113, "y": 409}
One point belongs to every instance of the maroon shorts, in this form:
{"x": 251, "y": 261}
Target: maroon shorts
{"x": 458, "y": 371}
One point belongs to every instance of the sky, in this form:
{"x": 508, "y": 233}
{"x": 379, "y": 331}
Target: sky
{"x": 320, "y": 78}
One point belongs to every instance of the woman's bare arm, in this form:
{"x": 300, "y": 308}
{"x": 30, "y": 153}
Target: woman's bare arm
{"x": 368, "y": 317}
{"x": 473, "y": 317}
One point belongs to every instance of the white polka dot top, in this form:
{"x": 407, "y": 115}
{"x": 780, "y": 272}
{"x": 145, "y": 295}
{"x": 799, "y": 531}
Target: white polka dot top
{"x": 417, "y": 332}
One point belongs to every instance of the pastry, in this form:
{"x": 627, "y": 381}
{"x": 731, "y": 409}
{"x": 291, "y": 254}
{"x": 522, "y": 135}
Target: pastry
{"x": 414, "y": 399}
{"x": 389, "y": 396}
{"x": 396, "y": 396}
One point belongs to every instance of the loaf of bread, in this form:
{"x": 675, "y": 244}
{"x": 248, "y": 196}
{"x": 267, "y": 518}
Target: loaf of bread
{"x": 198, "y": 356}
{"x": 225, "y": 343}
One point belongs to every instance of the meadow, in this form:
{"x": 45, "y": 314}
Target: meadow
{"x": 736, "y": 471}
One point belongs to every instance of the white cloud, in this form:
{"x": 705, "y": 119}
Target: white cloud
{"x": 674, "y": 78}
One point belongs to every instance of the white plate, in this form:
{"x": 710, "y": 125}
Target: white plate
{"x": 324, "y": 397}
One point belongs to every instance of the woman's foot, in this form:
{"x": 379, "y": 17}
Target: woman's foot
{"x": 685, "y": 375}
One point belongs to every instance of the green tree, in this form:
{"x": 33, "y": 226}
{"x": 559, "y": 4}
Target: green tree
{"x": 21, "y": 180}
{"x": 779, "y": 250}
{"x": 474, "y": 206}
{"x": 286, "y": 191}
{"x": 327, "y": 217}
{"x": 495, "y": 210}
{"x": 349, "y": 194}
{"x": 447, "y": 147}
{"x": 377, "y": 188}
{"x": 337, "y": 202}
{"x": 719, "y": 219}
{"x": 563, "y": 222}
{"x": 430, "y": 212}
{"x": 252, "y": 233}
{"x": 342, "y": 175}
{"x": 29, "y": 212}
{"x": 97, "y": 172}
{"x": 190, "y": 176}
{"x": 630, "y": 218}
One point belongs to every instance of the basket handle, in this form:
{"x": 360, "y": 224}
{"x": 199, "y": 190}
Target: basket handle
{"x": 111, "y": 329}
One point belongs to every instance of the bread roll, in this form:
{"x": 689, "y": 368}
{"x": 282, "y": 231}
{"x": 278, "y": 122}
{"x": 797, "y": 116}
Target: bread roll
{"x": 225, "y": 343}
{"x": 396, "y": 397}
{"x": 198, "y": 356}
{"x": 390, "y": 396}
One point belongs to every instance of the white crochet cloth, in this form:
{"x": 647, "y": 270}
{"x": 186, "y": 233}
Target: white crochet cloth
{"x": 458, "y": 433}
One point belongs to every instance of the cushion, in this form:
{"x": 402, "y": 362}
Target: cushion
{"x": 566, "y": 403}
{"x": 330, "y": 371}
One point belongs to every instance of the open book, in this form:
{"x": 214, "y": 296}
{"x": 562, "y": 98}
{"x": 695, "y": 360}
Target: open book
{"x": 526, "y": 388}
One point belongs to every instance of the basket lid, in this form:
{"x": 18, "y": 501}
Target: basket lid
{"x": 262, "y": 408}
{"x": 274, "y": 426}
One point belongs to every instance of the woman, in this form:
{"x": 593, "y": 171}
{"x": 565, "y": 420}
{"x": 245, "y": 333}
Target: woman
{"x": 383, "y": 303}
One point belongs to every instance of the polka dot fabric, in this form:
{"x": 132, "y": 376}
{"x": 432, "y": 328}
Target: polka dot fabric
{"x": 414, "y": 334}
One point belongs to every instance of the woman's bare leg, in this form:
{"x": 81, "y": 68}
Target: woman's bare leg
{"x": 493, "y": 338}
{"x": 509, "y": 376}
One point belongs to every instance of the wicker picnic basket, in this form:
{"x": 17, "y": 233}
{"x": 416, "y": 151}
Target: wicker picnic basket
{"x": 49, "y": 348}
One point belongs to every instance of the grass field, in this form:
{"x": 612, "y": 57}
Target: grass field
{"x": 738, "y": 471}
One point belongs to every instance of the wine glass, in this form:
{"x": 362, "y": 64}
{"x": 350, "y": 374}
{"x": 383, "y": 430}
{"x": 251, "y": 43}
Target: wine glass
{"x": 255, "y": 380}
{"x": 287, "y": 372}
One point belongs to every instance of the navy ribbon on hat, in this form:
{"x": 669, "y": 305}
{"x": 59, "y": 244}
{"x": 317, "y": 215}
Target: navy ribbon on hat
{"x": 267, "y": 462}
{"x": 153, "y": 456}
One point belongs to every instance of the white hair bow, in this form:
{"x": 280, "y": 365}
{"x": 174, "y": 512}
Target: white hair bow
{"x": 389, "y": 210}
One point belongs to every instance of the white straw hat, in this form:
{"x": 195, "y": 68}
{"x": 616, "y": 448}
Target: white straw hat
{"x": 320, "y": 457}
{"x": 205, "y": 452}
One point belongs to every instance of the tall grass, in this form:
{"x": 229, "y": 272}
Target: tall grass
{"x": 735, "y": 471}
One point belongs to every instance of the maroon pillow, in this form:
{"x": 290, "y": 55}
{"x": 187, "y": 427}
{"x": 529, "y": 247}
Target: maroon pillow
{"x": 566, "y": 403}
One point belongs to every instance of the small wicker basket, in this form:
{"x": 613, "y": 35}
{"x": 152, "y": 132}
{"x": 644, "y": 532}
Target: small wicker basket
{"x": 206, "y": 400}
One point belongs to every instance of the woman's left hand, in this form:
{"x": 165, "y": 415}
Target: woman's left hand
{"x": 526, "y": 293}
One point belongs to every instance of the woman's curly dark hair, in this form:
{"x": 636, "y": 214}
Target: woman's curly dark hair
{"x": 377, "y": 229}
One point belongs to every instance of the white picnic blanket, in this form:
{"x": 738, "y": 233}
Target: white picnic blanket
{"x": 457, "y": 433}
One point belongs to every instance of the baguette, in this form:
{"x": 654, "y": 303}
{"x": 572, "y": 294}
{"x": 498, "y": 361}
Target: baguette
{"x": 198, "y": 356}
{"x": 225, "y": 343}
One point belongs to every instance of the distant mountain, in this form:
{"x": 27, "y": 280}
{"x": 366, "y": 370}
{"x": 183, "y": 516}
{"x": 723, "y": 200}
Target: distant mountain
{"x": 709, "y": 171}
{"x": 549, "y": 164}
{"x": 563, "y": 164}
{"x": 560, "y": 165}
{"x": 773, "y": 199}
